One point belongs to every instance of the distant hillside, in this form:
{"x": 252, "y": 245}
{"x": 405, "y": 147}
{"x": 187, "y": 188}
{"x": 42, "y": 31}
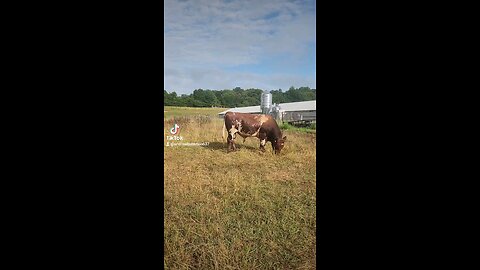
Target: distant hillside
{"x": 237, "y": 97}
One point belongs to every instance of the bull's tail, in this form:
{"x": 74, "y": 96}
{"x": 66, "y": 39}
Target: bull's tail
{"x": 224, "y": 128}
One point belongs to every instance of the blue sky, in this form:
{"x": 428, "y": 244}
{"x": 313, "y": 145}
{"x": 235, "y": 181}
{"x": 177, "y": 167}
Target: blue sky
{"x": 220, "y": 44}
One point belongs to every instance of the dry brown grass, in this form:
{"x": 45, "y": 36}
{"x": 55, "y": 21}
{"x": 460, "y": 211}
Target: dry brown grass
{"x": 241, "y": 210}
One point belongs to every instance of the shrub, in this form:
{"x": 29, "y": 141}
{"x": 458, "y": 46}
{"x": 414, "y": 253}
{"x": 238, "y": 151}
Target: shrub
{"x": 285, "y": 126}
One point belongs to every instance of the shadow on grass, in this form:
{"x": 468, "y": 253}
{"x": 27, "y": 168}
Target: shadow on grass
{"x": 216, "y": 146}
{"x": 219, "y": 146}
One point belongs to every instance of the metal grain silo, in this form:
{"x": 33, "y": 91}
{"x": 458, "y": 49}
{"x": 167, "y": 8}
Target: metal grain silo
{"x": 266, "y": 102}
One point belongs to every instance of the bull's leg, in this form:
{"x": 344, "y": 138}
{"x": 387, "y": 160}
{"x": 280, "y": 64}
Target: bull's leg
{"x": 263, "y": 141}
{"x": 228, "y": 145}
{"x": 231, "y": 136}
{"x": 231, "y": 143}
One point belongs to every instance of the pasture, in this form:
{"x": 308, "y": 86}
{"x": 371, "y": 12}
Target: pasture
{"x": 241, "y": 210}
{"x": 171, "y": 111}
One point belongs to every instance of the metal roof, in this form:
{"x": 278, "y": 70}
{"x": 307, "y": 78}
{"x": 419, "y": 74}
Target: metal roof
{"x": 250, "y": 109}
{"x": 310, "y": 105}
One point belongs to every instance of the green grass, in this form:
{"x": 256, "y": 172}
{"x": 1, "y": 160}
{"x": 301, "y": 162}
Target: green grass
{"x": 309, "y": 129}
{"x": 241, "y": 210}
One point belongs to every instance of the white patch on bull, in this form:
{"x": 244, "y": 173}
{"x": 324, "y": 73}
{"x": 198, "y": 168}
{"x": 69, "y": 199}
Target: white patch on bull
{"x": 263, "y": 142}
{"x": 232, "y": 131}
{"x": 261, "y": 118}
{"x": 239, "y": 124}
{"x": 251, "y": 135}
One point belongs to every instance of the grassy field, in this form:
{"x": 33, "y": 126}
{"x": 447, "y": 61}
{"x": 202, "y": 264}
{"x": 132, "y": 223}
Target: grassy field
{"x": 171, "y": 111}
{"x": 241, "y": 210}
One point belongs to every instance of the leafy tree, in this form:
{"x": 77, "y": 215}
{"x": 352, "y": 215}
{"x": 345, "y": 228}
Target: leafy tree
{"x": 228, "y": 99}
{"x": 236, "y": 97}
{"x": 278, "y": 96}
{"x": 211, "y": 99}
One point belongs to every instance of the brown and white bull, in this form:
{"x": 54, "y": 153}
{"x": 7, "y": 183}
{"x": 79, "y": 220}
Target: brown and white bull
{"x": 262, "y": 126}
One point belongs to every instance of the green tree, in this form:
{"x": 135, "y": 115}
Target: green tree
{"x": 278, "y": 96}
{"x": 211, "y": 99}
{"x": 236, "y": 97}
{"x": 228, "y": 99}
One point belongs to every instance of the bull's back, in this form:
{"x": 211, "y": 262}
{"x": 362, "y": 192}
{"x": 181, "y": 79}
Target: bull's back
{"x": 248, "y": 117}
{"x": 253, "y": 121}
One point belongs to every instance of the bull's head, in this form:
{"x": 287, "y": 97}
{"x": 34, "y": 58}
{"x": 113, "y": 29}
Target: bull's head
{"x": 278, "y": 144}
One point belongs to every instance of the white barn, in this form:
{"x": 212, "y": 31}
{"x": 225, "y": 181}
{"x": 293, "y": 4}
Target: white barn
{"x": 303, "y": 111}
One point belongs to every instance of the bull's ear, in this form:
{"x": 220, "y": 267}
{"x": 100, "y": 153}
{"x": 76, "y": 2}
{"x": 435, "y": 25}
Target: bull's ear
{"x": 285, "y": 138}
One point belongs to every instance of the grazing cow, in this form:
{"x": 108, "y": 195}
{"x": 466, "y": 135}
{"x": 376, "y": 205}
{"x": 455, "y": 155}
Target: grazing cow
{"x": 261, "y": 126}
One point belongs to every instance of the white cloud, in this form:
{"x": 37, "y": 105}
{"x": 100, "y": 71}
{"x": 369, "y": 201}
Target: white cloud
{"x": 203, "y": 37}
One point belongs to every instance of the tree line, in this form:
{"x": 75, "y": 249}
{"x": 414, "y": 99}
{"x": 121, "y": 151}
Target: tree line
{"x": 237, "y": 97}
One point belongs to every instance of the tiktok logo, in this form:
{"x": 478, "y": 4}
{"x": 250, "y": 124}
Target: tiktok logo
{"x": 175, "y": 129}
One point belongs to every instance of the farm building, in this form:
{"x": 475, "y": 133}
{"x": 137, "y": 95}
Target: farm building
{"x": 303, "y": 112}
